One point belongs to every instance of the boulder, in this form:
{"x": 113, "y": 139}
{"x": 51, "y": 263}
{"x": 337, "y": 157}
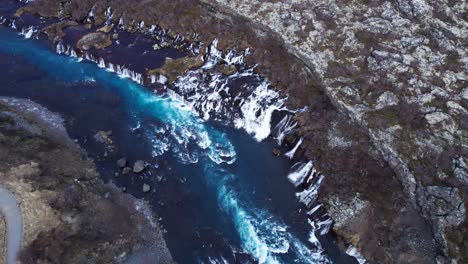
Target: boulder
{"x": 139, "y": 166}
{"x": 121, "y": 163}
{"x": 146, "y": 188}
{"x": 126, "y": 170}
{"x": 276, "y": 152}
{"x": 103, "y": 137}
{"x": 97, "y": 40}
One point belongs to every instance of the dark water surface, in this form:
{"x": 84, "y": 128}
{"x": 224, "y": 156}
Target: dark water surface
{"x": 221, "y": 195}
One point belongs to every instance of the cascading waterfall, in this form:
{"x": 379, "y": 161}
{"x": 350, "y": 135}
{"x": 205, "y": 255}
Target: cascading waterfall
{"x": 290, "y": 154}
{"x": 285, "y": 127}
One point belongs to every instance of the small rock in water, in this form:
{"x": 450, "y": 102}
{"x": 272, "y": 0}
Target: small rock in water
{"x": 116, "y": 174}
{"x": 103, "y": 137}
{"x": 121, "y": 163}
{"x": 276, "y": 152}
{"x": 126, "y": 170}
{"x": 139, "y": 166}
{"x": 146, "y": 188}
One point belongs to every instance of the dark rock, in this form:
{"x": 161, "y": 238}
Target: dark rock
{"x": 121, "y": 163}
{"x": 276, "y": 152}
{"x": 139, "y": 166}
{"x": 126, "y": 170}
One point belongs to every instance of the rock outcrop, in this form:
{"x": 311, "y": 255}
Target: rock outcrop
{"x": 97, "y": 40}
{"x": 2, "y": 240}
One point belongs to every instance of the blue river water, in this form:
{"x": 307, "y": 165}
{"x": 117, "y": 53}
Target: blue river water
{"x": 221, "y": 196}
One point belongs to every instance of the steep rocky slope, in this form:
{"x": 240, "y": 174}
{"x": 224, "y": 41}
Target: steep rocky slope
{"x": 399, "y": 70}
{"x": 385, "y": 87}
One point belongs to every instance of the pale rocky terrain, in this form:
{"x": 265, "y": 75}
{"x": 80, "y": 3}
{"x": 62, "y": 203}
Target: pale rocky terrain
{"x": 399, "y": 69}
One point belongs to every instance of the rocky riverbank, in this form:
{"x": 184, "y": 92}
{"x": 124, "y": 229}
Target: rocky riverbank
{"x": 384, "y": 86}
{"x": 69, "y": 214}
{"x": 2, "y": 240}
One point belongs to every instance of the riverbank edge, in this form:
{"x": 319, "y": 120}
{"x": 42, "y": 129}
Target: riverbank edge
{"x": 62, "y": 198}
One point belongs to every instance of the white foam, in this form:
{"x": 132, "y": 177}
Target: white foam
{"x": 28, "y": 32}
{"x": 233, "y": 58}
{"x": 213, "y": 55}
{"x": 257, "y": 110}
{"x": 353, "y": 252}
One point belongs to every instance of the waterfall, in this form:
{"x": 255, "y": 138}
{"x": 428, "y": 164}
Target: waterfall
{"x": 213, "y": 55}
{"x": 285, "y": 127}
{"x": 101, "y": 63}
{"x": 298, "y": 176}
{"x": 291, "y": 153}
{"x": 28, "y": 32}
{"x": 109, "y": 15}
{"x": 309, "y": 195}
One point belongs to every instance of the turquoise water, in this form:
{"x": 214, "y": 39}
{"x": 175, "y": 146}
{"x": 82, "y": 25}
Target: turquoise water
{"x": 220, "y": 194}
